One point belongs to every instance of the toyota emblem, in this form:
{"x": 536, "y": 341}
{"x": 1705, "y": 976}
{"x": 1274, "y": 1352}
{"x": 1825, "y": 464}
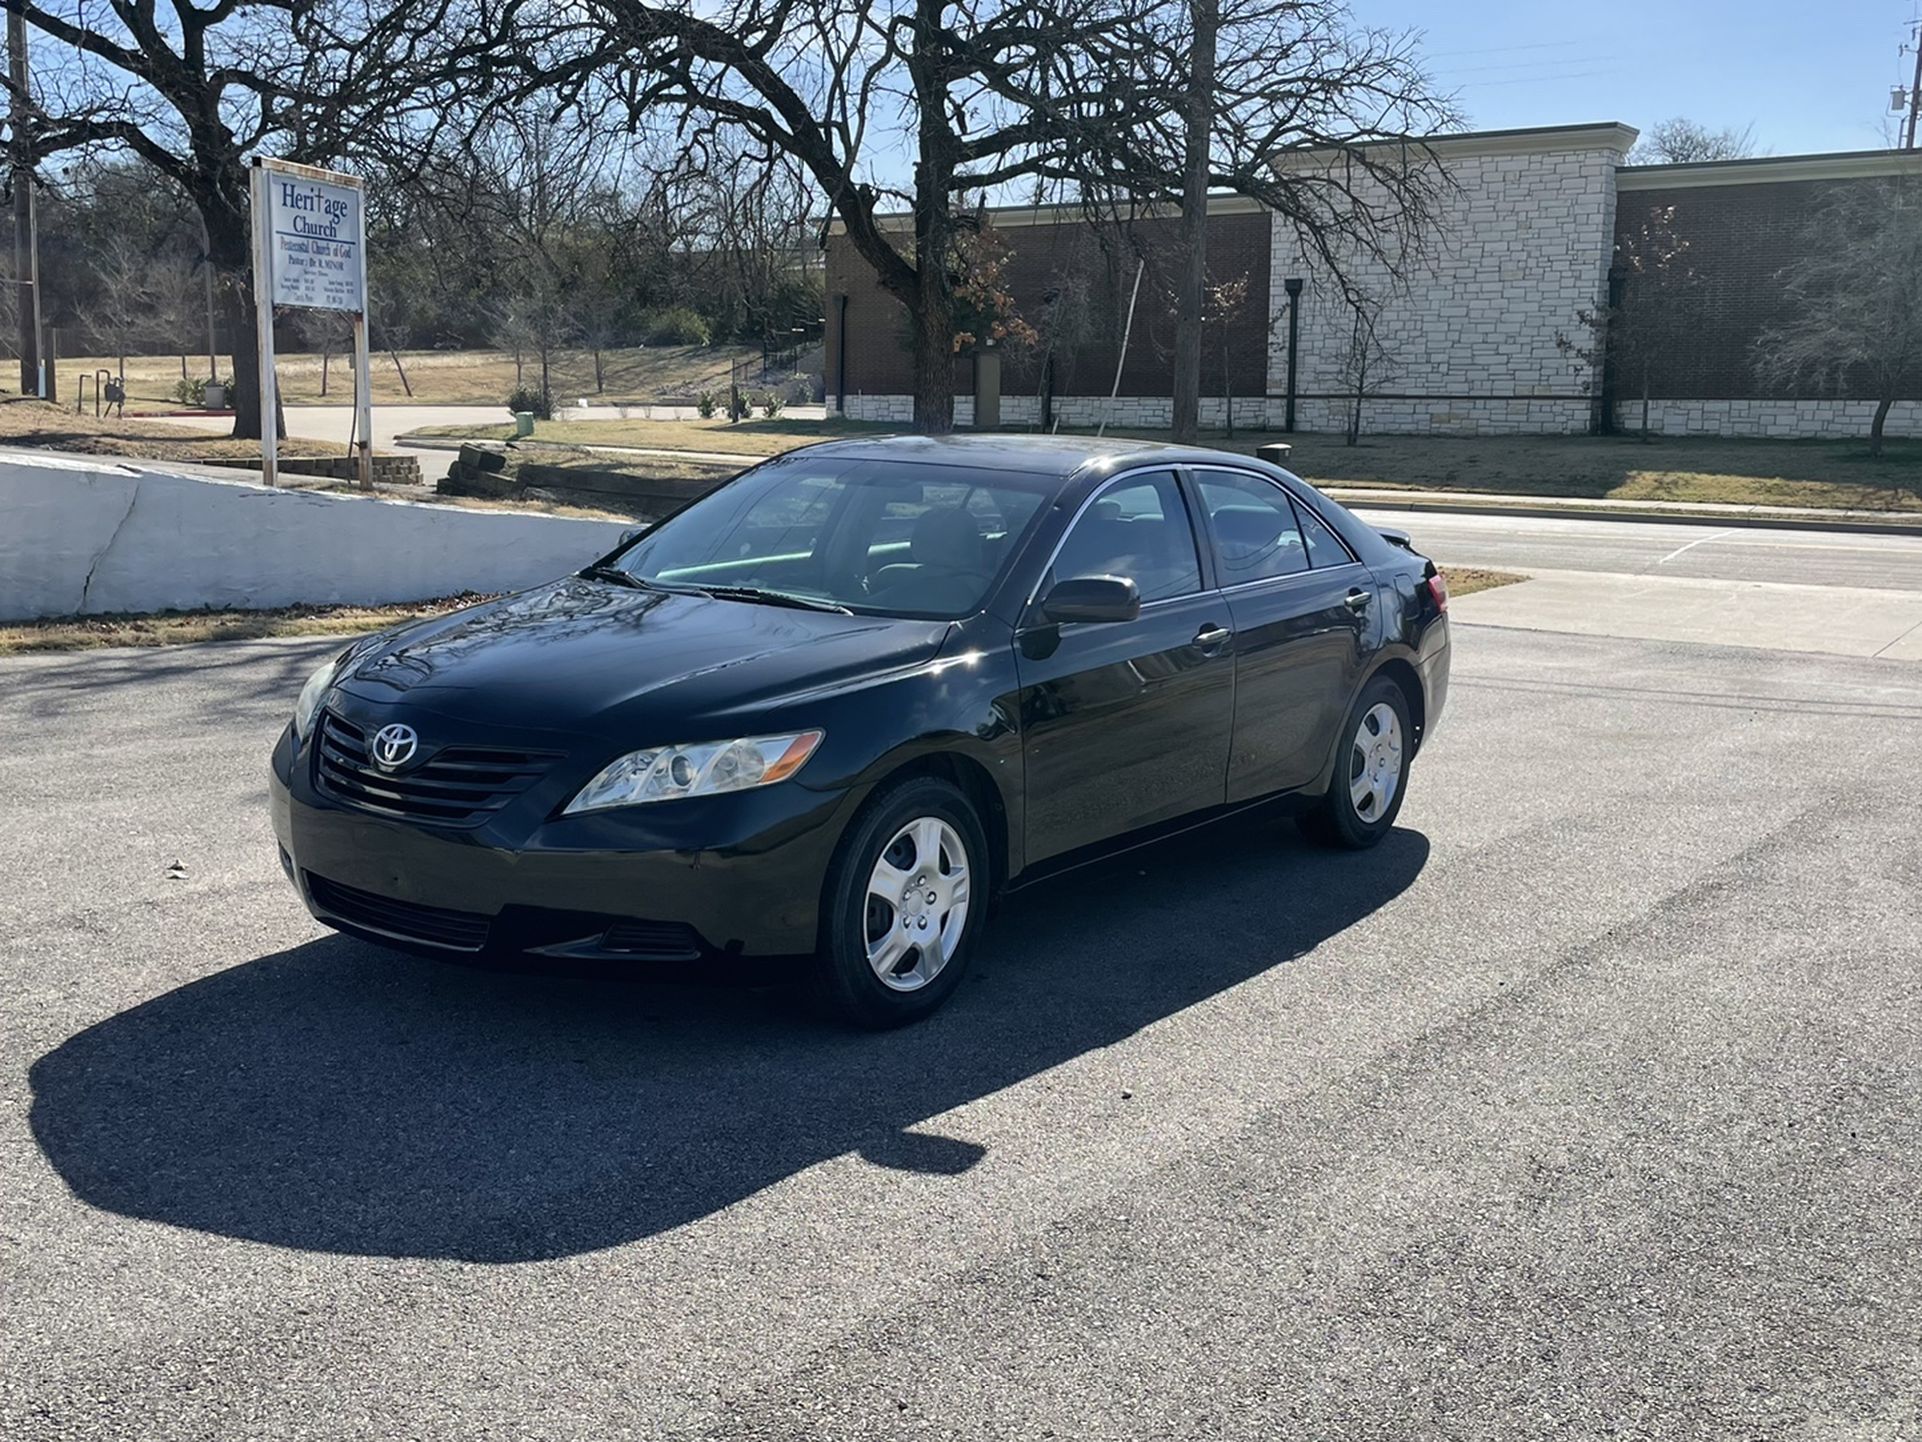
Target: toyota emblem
{"x": 394, "y": 746}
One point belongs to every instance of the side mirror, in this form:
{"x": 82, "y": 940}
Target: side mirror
{"x": 1092, "y": 598}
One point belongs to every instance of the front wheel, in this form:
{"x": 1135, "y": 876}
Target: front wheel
{"x": 905, "y": 899}
{"x": 1371, "y": 772}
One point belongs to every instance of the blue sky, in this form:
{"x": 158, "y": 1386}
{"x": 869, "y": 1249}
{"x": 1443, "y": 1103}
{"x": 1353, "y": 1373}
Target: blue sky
{"x": 1809, "y": 76}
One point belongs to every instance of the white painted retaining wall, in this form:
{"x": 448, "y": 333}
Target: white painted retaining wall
{"x": 81, "y": 538}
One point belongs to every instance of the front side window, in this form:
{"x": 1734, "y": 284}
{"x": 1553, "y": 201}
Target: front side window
{"x": 874, "y": 536}
{"x": 1256, "y": 535}
{"x": 1137, "y": 529}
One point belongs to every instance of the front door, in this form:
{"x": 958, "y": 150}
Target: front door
{"x": 1301, "y": 608}
{"x": 1126, "y": 724}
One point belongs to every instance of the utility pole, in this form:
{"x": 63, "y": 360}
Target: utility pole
{"x": 1192, "y": 282}
{"x": 26, "y": 242}
{"x": 1915, "y": 89}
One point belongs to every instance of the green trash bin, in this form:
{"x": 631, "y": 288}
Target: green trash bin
{"x": 523, "y": 424}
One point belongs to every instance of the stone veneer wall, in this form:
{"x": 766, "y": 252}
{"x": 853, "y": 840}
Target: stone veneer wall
{"x": 1782, "y": 419}
{"x": 1524, "y": 244}
{"x": 1254, "y": 412}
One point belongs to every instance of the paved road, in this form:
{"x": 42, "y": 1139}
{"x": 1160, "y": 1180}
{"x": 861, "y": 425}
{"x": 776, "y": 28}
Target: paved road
{"x": 1815, "y": 558}
{"x": 1587, "y": 1105}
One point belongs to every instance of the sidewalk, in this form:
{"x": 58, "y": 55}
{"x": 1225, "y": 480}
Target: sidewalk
{"x": 1823, "y": 518}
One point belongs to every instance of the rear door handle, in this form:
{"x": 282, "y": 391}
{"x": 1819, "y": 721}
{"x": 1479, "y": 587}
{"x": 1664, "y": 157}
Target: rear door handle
{"x": 1358, "y": 599}
{"x": 1212, "y": 637}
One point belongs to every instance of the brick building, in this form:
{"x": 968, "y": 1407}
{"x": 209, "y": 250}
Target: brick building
{"x": 1467, "y": 343}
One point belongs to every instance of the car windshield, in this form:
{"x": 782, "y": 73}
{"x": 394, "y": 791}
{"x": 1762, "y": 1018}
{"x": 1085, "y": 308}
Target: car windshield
{"x": 882, "y": 537}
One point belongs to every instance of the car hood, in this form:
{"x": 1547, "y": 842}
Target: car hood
{"x": 578, "y": 652}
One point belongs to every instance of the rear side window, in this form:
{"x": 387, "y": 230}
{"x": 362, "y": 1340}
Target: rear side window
{"x": 1324, "y": 546}
{"x": 1256, "y": 534}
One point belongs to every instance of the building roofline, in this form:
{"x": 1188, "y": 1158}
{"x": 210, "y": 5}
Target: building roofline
{"x": 1770, "y": 169}
{"x": 1600, "y": 135}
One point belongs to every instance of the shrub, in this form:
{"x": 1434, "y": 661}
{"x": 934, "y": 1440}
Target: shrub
{"x": 677, "y": 325}
{"x": 771, "y": 404}
{"x": 531, "y": 398}
{"x": 799, "y": 391}
{"x": 707, "y": 404}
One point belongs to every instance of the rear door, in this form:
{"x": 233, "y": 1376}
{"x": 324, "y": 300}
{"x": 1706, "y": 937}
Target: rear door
{"x": 1300, "y": 605}
{"x": 1126, "y": 724}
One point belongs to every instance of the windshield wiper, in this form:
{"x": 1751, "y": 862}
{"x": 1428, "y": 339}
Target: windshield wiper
{"x": 616, "y": 575}
{"x": 774, "y": 598}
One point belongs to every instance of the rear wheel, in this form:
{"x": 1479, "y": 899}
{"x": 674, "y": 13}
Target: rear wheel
{"x": 906, "y": 896}
{"x": 1371, "y": 772}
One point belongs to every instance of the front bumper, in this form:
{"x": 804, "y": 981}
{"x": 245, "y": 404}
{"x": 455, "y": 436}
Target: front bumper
{"x": 715, "y": 877}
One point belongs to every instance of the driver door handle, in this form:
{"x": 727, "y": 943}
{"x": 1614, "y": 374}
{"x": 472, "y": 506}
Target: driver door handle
{"x": 1212, "y": 638}
{"x": 1358, "y": 599}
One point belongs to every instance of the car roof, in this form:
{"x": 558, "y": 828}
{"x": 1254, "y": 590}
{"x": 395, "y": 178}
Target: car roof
{"x": 1058, "y": 456}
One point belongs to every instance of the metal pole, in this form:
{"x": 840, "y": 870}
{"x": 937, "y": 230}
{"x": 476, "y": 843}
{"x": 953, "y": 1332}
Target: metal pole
{"x": 1915, "y": 90}
{"x": 1122, "y": 359}
{"x": 259, "y": 182}
{"x": 363, "y": 365}
{"x": 26, "y": 241}
{"x": 207, "y": 277}
{"x": 1293, "y": 286}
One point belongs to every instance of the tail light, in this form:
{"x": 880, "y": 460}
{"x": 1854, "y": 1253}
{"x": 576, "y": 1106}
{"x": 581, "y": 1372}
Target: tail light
{"x": 1436, "y": 584}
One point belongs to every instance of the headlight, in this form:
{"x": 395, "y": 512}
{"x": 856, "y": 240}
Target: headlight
{"x": 705, "y": 769}
{"x": 312, "y": 694}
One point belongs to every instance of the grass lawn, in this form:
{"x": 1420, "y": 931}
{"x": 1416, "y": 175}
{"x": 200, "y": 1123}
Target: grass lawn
{"x": 1702, "y": 469}
{"x": 637, "y": 374}
{"x": 174, "y": 628}
{"x": 38, "y": 424}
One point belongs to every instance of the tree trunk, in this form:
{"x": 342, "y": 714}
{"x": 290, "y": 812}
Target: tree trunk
{"x": 405, "y": 384}
{"x": 325, "y": 356}
{"x": 931, "y": 312}
{"x": 1644, "y": 404}
{"x": 230, "y": 254}
{"x": 1875, "y": 426}
{"x": 1186, "y": 405}
{"x": 934, "y": 370}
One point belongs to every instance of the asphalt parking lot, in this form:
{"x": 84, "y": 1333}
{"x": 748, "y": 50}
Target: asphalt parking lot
{"x": 1585, "y": 1106}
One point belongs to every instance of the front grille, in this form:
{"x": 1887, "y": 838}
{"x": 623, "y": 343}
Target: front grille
{"x": 435, "y": 925}
{"x": 653, "y": 940}
{"x": 455, "y": 786}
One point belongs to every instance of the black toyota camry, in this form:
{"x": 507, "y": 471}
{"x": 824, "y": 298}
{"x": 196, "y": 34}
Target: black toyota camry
{"x": 831, "y": 709}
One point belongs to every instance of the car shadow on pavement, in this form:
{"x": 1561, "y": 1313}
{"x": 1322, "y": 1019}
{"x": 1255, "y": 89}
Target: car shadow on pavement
{"x": 340, "y": 1098}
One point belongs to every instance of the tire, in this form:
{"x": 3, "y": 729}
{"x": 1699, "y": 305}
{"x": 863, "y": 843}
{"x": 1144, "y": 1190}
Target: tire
{"x": 889, "y": 955}
{"x": 1376, "y": 739}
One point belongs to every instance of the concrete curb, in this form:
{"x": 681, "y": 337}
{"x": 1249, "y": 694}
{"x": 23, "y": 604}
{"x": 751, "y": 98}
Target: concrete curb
{"x": 1893, "y": 523}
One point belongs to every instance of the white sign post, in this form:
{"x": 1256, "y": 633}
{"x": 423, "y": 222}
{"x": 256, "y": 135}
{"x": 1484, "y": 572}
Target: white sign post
{"x": 310, "y": 249}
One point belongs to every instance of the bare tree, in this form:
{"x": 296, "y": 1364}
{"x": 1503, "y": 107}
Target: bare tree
{"x": 1657, "y": 310}
{"x": 1681, "y": 141}
{"x": 196, "y": 91}
{"x": 326, "y": 331}
{"x": 1085, "y": 97}
{"x": 1366, "y": 363}
{"x": 1854, "y": 297}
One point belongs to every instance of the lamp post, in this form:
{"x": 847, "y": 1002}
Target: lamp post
{"x": 1293, "y": 286}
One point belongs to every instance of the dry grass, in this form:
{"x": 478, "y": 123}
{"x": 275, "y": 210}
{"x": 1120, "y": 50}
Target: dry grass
{"x": 753, "y": 438}
{"x": 178, "y": 628}
{"x": 48, "y": 427}
{"x": 639, "y": 374}
{"x": 1691, "y": 469}
{"x": 1467, "y": 580}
